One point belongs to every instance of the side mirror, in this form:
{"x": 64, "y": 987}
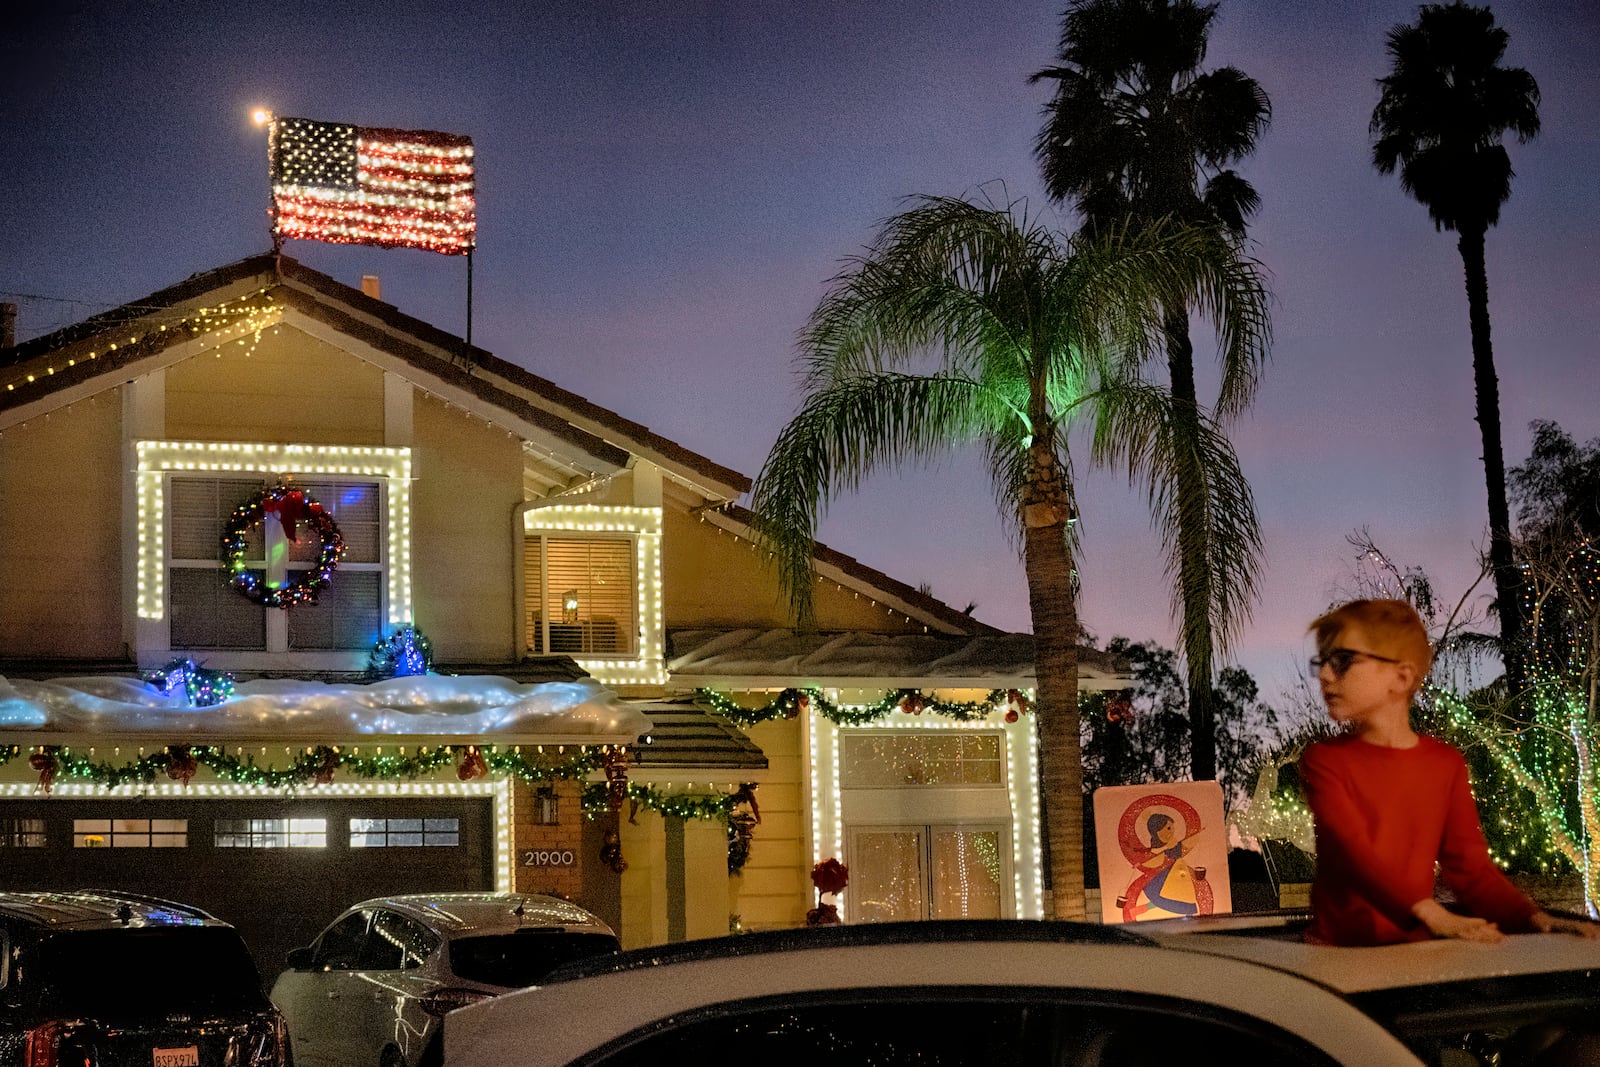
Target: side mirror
{"x": 300, "y": 959}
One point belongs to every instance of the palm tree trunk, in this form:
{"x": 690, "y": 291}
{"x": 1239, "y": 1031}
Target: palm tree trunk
{"x": 1194, "y": 639}
{"x": 1507, "y": 583}
{"x": 1048, "y": 565}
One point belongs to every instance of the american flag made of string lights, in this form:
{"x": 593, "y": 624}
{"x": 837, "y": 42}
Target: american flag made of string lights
{"x": 363, "y": 185}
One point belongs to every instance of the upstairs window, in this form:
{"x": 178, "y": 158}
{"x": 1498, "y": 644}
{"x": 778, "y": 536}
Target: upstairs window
{"x": 207, "y": 612}
{"x": 582, "y": 594}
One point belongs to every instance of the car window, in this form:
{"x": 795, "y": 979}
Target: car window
{"x": 139, "y": 970}
{"x": 340, "y": 946}
{"x": 396, "y": 943}
{"x": 962, "y": 1028}
{"x": 524, "y": 957}
{"x": 1538, "y": 1020}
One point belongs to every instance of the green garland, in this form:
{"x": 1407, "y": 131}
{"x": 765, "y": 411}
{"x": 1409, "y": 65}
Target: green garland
{"x": 672, "y": 805}
{"x": 316, "y": 765}
{"x": 791, "y": 702}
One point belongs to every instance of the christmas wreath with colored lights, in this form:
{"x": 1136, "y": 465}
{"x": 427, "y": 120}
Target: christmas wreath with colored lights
{"x": 291, "y": 507}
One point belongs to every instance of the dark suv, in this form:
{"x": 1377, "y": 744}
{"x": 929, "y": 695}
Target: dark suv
{"x": 112, "y": 979}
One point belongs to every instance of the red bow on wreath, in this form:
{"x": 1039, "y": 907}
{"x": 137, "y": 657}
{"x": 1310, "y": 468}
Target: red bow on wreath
{"x": 47, "y": 765}
{"x": 291, "y": 508}
{"x": 472, "y": 765}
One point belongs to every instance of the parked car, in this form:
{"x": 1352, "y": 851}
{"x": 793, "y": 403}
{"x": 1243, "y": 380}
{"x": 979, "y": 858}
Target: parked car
{"x": 373, "y": 987}
{"x": 101, "y": 978}
{"x": 1040, "y": 993}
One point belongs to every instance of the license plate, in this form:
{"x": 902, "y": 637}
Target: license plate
{"x": 177, "y": 1057}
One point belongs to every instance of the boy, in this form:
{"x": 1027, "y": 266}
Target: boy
{"x": 1389, "y": 802}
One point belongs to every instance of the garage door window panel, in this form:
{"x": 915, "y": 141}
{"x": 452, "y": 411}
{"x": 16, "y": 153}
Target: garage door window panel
{"x": 271, "y": 833}
{"x": 22, "y": 833}
{"x": 405, "y": 833}
{"x": 130, "y": 833}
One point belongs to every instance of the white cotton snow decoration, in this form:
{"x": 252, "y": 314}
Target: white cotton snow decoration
{"x": 418, "y": 706}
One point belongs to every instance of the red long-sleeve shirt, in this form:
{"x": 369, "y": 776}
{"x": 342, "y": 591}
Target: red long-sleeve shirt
{"x": 1384, "y": 816}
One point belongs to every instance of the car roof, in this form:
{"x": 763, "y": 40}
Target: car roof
{"x": 454, "y": 914}
{"x": 1384, "y": 967}
{"x": 869, "y": 962}
{"x": 100, "y": 908}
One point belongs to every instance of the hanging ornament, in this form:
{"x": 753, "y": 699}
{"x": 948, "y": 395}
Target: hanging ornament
{"x": 611, "y": 852}
{"x": 913, "y": 703}
{"x": 616, "y": 766}
{"x": 327, "y": 763}
{"x": 472, "y": 765}
{"x": 46, "y": 763}
{"x": 181, "y": 764}
{"x": 290, "y": 507}
{"x": 1119, "y": 709}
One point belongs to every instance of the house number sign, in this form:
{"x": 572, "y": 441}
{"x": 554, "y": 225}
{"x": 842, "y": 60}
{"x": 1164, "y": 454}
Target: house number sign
{"x": 551, "y": 857}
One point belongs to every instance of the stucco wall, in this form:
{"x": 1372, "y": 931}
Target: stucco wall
{"x": 468, "y": 483}
{"x": 774, "y": 889}
{"x": 61, "y": 580}
{"x": 714, "y": 579}
{"x": 291, "y": 388}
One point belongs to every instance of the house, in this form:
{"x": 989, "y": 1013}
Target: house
{"x": 237, "y": 513}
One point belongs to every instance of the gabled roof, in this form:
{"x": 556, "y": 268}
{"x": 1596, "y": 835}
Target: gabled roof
{"x": 594, "y": 438}
{"x": 585, "y": 426}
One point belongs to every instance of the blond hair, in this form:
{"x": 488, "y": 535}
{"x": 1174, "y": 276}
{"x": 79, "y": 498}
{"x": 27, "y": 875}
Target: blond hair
{"x": 1392, "y": 628}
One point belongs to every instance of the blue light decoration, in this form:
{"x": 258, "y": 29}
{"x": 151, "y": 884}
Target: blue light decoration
{"x": 199, "y": 687}
{"x": 405, "y": 653}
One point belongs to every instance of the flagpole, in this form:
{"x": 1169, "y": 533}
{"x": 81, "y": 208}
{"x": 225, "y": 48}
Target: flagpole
{"x": 469, "y": 301}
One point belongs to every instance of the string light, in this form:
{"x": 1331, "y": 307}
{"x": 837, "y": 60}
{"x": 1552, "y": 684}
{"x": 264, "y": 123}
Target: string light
{"x": 157, "y": 460}
{"x": 643, "y": 524}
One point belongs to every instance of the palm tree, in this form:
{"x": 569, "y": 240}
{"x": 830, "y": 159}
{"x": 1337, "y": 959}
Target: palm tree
{"x": 1017, "y": 330}
{"x": 1136, "y": 133}
{"x": 1444, "y": 109}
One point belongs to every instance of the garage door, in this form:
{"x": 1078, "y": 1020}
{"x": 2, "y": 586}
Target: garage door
{"x": 278, "y": 869}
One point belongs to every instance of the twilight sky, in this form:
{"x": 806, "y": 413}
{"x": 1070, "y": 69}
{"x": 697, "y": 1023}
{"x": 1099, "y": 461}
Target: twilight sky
{"x": 664, "y": 189}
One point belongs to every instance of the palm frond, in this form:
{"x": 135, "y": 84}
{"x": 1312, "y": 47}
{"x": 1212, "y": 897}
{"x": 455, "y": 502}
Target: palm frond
{"x": 1140, "y": 429}
{"x": 844, "y": 433}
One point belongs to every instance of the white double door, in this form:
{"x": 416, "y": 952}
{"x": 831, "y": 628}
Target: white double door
{"x": 929, "y": 871}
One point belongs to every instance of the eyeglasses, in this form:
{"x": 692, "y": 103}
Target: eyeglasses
{"x": 1340, "y": 660}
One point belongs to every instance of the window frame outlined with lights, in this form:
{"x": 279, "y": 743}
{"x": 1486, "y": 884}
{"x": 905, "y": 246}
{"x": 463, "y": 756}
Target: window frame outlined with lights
{"x": 313, "y": 466}
{"x": 639, "y": 660}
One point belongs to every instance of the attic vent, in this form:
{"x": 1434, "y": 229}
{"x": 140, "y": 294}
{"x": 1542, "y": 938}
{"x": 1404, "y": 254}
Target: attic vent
{"x": 371, "y": 286}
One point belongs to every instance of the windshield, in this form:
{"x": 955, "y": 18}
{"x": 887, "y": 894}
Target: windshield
{"x": 165, "y": 970}
{"x": 522, "y": 958}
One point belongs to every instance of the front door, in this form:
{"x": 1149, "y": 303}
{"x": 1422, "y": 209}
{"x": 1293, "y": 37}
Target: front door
{"x": 902, "y": 873}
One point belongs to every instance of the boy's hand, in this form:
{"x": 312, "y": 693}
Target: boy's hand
{"x": 1546, "y": 923}
{"x": 1441, "y": 922}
